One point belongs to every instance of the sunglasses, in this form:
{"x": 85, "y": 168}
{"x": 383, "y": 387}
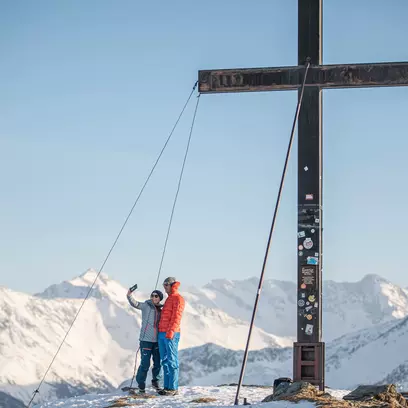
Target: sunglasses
{"x": 156, "y": 296}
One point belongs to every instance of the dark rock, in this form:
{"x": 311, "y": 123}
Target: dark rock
{"x": 281, "y": 389}
{"x": 369, "y": 392}
{"x": 383, "y": 395}
{"x": 286, "y": 391}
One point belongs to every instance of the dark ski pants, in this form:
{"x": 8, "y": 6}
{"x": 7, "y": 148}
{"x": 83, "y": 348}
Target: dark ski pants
{"x": 170, "y": 362}
{"x": 148, "y": 350}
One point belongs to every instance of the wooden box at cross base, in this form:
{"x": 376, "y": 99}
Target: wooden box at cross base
{"x": 308, "y": 363}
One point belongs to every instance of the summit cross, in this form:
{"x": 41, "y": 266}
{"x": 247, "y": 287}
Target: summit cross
{"x": 309, "y": 350}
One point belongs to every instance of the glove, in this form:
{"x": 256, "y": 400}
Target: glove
{"x": 170, "y": 335}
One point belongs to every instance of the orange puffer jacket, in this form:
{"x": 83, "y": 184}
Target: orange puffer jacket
{"x": 172, "y": 312}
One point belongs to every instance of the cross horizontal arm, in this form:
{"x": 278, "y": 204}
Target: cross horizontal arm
{"x": 290, "y": 78}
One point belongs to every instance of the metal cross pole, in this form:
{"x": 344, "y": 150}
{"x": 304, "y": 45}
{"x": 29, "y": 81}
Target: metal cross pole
{"x": 309, "y": 349}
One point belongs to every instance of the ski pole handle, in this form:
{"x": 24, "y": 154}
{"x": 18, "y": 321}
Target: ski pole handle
{"x": 133, "y": 288}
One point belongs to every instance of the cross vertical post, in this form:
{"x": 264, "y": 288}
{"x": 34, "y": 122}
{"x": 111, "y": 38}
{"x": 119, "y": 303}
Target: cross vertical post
{"x": 308, "y": 351}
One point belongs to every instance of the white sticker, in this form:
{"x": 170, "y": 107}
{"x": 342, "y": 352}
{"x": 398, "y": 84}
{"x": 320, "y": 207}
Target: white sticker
{"x": 308, "y": 243}
{"x": 316, "y": 254}
{"x": 305, "y": 168}
{"x": 301, "y": 234}
{"x": 300, "y": 247}
{"x": 312, "y": 231}
{"x": 309, "y": 196}
{"x": 317, "y": 220}
{"x": 309, "y": 329}
{"x": 316, "y": 304}
{"x": 301, "y": 303}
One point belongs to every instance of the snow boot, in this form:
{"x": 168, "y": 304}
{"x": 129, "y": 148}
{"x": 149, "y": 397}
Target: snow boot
{"x": 156, "y": 385}
{"x": 168, "y": 393}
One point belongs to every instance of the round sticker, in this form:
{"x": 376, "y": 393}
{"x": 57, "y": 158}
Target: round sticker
{"x": 302, "y": 286}
{"x": 301, "y": 303}
{"x": 300, "y": 253}
{"x": 312, "y": 231}
{"x": 308, "y": 243}
{"x": 311, "y": 298}
{"x": 309, "y": 317}
{"x": 300, "y": 247}
{"x": 308, "y": 303}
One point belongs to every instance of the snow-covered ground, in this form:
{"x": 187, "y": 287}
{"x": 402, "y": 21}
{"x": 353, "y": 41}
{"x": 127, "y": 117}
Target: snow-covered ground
{"x": 223, "y": 396}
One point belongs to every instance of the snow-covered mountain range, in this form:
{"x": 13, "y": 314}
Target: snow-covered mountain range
{"x": 346, "y": 306}
{"x": 99, "y": 351}
{"x": 370, "y": 356}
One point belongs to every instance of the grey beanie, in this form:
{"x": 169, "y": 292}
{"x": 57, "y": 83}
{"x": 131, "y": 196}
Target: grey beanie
{"x": 170, "y": 280}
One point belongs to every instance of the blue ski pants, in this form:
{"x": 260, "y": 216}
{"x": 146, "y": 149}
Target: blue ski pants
{"x": 148, "y": 350}
{"x": 169, "y": 359}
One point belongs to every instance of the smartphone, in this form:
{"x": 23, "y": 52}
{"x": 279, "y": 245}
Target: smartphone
{"x": 133, "y": 288}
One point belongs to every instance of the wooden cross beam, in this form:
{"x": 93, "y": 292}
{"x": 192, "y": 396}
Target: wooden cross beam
{"x": 290, "y": 78}
{"x": 309, "y": 349}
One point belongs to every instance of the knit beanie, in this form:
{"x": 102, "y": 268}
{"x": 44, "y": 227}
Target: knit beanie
{"x": 159, "y": 294}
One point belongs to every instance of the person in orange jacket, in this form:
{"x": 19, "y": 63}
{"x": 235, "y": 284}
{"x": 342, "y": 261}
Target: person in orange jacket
{"x": 169, "y": 336}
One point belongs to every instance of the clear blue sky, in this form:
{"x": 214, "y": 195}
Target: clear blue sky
{"x": 89, "y": 91}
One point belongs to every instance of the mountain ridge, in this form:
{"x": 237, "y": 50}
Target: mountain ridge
{"x": 218, "y": 313}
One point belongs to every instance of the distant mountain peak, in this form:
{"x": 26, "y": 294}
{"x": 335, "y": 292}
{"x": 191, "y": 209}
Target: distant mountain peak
{"x": 374, "y": 278}
{"x": 90, "y": 275}
{"x": 223, "y": 283}
{"x": 78, "y": 288}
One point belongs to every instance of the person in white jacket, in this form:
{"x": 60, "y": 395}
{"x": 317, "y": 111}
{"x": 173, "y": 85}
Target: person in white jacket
{"x": 149, "y": 348}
